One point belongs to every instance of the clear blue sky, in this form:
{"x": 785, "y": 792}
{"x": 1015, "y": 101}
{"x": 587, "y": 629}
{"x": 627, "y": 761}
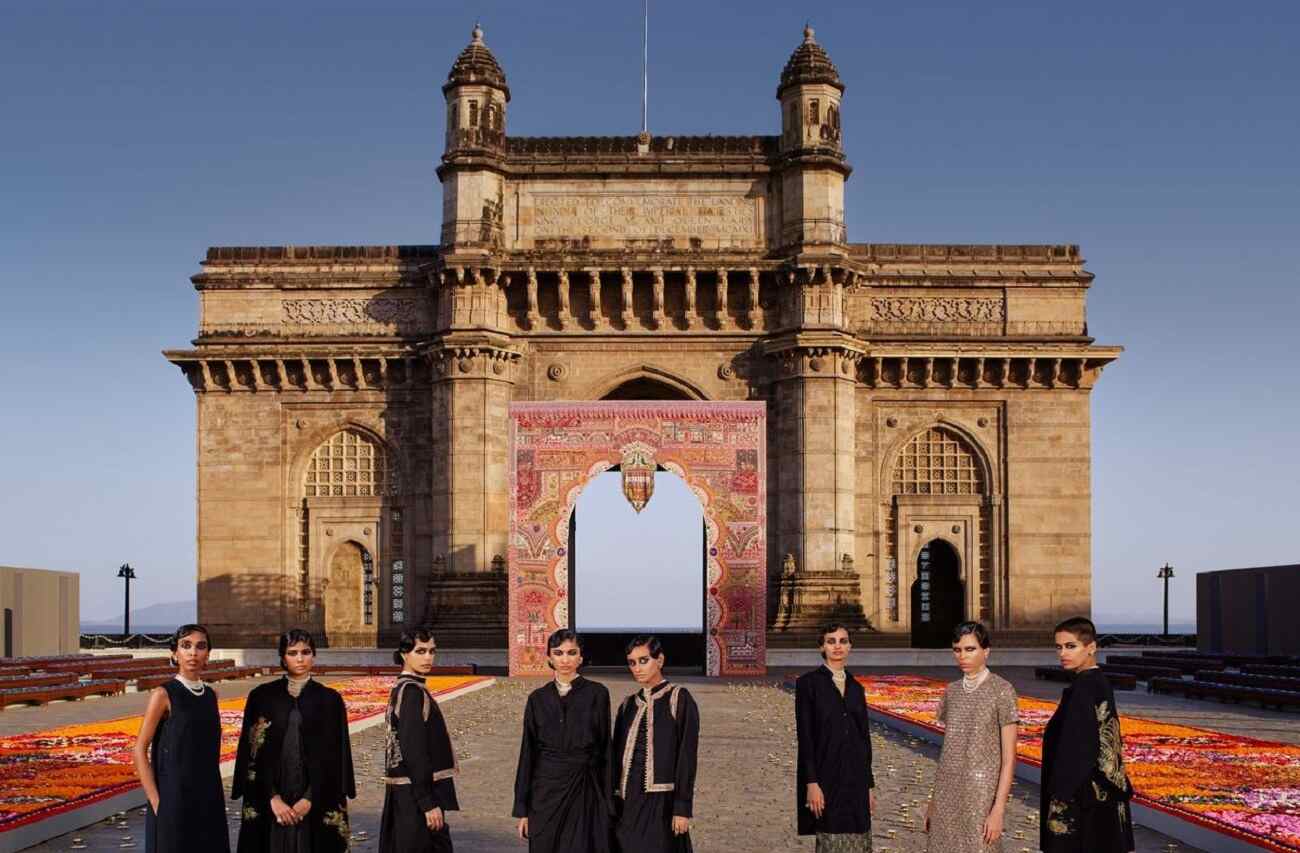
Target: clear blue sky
{"x": 1161, "y": 137}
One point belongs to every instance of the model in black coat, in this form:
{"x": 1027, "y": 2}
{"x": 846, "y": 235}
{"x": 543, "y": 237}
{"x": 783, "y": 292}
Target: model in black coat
{"x": 560, "y": 783}
{"x": 1085, "y": 790}
{"x": 835, "y": 752}
{"x": 419, "y": 766}
{"x": 653, "y": 757}
{"x": 294, "y": 748}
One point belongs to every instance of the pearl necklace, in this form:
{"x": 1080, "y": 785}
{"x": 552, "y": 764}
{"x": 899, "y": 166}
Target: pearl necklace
{"x": 189, "y": 685}
{"x": 970, "y": 685}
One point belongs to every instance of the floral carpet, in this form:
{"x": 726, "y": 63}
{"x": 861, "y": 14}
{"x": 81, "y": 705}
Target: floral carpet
{"x": 1243, "y": 787}
{"x": 48, "y": 772}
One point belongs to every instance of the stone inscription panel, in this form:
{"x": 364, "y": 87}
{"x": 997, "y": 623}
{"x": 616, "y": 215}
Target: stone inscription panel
{"x": 711, "y": 216}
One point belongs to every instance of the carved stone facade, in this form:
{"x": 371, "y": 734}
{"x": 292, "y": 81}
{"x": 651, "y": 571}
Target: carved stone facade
{"x": 915, "y": 394}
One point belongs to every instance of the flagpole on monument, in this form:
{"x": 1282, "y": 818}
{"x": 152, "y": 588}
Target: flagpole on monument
{"x": 645, "y": 71}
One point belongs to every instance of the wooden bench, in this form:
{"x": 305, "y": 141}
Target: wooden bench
{"x": 1141, "y": 673}
{"x": 389, "y": 669}
{"x": 14, "y": 671}
{"x": 72, "y": 690}
{"x": 228, "y": 673}
{"x": 1245, "y": 679}
{"x": 86, "y": 664}
{"x": 145, "y": 668}
{"x": 1273, "y": 669}
{"x": 1187, "y": 667}
{"x": 37, "y": 680}
{"x": 37, "y": 660}
{"x": 1196, "y": 689}
{"x": 1118, "y": 680}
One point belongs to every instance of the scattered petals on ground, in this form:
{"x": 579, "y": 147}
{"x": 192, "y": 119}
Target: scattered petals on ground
{"x": 1245, "y": 787}
{"x": 47, "y": 772}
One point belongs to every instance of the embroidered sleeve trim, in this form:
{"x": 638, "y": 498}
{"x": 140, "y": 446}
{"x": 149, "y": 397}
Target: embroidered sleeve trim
{"x": 629, "y": 746}
{"x": 1110, "y": 755}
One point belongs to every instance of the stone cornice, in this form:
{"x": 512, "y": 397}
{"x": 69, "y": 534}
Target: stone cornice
{"x": 1022, "y": 368}
{"x": 243, "y": 370}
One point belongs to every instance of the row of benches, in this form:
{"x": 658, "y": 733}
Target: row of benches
{"x": 1197, "y": 688}
{"x": 43, "y": 687}
{"x": 43, "y": 694}
{"x": 1230, "y": 659}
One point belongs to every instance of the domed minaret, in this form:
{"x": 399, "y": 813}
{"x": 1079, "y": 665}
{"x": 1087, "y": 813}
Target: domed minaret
{"x": 813, "y": 182}
{"x": 472, "y": 184}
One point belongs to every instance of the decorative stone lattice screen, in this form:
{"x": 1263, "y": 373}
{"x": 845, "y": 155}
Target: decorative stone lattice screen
{"x": 717, "y": 448}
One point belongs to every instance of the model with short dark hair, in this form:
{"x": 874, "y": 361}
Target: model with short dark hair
{"x": 293, "y": 766}
{"x": 178, "y": 755}
{"x": 419, "y": 762}
{"x": 834, "y": 788}
{"x": 1085, "y": 790}
{"x": 561, "y": 797}
{"x": 978, "y": 711}
{"x": 656, "y": 742}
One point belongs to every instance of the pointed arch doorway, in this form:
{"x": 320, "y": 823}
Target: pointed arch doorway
{"x": 349, "y": 600}
{"x": 718, "y": 449}
{"x": 936, "y": 595}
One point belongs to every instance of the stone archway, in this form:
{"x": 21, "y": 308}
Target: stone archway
{"x": 717, "y": 448}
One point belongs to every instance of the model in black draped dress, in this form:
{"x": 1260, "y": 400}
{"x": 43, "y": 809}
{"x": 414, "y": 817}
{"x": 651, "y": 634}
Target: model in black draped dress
{"x": 178, "y": 756}
{"x": 561, "y": 790}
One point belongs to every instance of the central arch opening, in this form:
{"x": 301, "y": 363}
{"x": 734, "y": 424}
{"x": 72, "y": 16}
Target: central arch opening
{"x": 638, "y": 573}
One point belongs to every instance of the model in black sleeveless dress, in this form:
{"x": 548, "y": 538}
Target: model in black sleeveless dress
{"x": 186, "y": 758}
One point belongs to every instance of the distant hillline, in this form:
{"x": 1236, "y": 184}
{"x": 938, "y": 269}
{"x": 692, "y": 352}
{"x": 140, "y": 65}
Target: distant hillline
{"x": 164, "y": 617}
{"x": 152, "y": 619}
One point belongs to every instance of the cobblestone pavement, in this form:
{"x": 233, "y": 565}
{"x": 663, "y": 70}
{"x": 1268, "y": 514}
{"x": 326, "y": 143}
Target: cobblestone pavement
{"x": 744, "y": 794}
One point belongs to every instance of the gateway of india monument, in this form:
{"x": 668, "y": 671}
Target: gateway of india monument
{"x": 893, "y": 435}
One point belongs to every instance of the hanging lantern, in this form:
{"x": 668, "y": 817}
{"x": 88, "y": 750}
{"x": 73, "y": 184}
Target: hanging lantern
{"x": 638, "y": 468}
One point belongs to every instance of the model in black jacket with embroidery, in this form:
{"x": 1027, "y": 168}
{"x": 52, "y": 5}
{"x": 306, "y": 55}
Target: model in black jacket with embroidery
{"x": 294, "y": 747}
{"x": 654, "y": 753}
{"x": 419, "y": 762}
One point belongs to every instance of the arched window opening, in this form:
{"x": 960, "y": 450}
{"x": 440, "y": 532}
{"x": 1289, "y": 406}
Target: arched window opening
{"x": 937, "y": 462}
{"x": 350, "y": 464}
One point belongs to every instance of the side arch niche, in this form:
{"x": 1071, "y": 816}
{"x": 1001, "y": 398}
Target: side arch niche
{"x": 939, "y": 487}
{"x": 350, "y": 544}
{"x": 719, "y": 449}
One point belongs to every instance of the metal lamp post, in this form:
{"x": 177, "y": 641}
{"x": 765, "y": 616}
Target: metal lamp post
{"x": 1165, "y": 573}
{"x": 127, "y": 574}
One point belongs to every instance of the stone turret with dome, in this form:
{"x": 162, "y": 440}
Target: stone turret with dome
{"x": 477, "y": 66}
{"x": 810, "y": 63}
{"x": 810, "y": 92}
{"x": 476, "y": 94}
